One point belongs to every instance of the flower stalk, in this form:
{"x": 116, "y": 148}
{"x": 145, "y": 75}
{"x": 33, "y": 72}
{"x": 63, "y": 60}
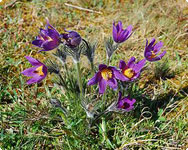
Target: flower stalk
{"x": 104, "y": 100}
{"x": 98, "y": 117}
{"x": 68, "y": 74}
{"x": 92, "y": 69}
{"x": 79, "y": 78}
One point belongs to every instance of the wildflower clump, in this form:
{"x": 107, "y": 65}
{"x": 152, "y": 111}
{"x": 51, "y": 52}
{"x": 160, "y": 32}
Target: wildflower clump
{"x": 70, "y": 43}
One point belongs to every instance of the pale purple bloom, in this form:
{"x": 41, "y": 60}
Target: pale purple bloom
{"x": 72, "y": 38}
{"x": 106, "y": 75}
{"x": 48, "y": 38}
{"x": 125, "y": 103}
{"x": 38, "y": 72}
{"x": 119, "y": 34}
{"x": 152, "y": 50}
{"x": 131, "y": 70}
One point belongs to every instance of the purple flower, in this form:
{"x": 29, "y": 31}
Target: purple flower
{"x": 152, "y": 50}
{"x": 120, "y": 35}
{"x": 48, "y": 38}
{"x": 106, "y": 75}
{"x": 72, "y": 38}
{"x": 38, "y": 72}
{"x": 131, "y": 70}
{"x": 125, "y": 103}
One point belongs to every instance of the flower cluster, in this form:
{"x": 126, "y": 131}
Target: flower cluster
{"x": 107, "y": 75}
{"x": 129, "y": 72}
{"x": 74, "y": 45}
{"x": 49, "y": 39}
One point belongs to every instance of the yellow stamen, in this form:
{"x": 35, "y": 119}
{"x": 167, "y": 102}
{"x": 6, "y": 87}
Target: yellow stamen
{"x": 41, "y": 37}
{"x": 106, "y": 74}
{"x": 129, "y": 73}
{"x": 49, "y": 39}
{"x": 153, "y": 55}
{"x": 39, "y": 71}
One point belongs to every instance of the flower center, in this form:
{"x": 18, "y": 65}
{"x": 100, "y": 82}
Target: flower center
{"x": 39, "y": 71}
{"x": 126, "y": 105}
{"x": 153, "y": 55}
{"x": 49, "y": 39}
{"x": 41, "y": 37}
{"x": 106, "y": 74}
{"x": 129, "y": 73}
{"x": 46, "y": 37}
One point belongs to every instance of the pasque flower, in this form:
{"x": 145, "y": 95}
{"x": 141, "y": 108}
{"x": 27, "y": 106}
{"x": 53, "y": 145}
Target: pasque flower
{"x": 106, "y": 75}
{"x": 72, "y": 38}
{"x": 38, "y": 72}
{"x": 131, "y": 70}
{"x": 152, "y": 50}
{"x": 48, "y": 38}
{"x": 119, "y": 34}
{"x": 125, "y": 103}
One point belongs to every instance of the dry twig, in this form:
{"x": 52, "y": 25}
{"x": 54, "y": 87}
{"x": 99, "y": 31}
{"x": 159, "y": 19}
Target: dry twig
{"x": 84, "y": 9}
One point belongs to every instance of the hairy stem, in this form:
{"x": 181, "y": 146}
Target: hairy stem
{"x": 64, "y": 84}
{"x": 104, "y": 100}
{"x": 108, "y": 61}
{"x": 68, "y": 74}
{"x": 79, "y": 78}
{"x": 92, "y": 68}
{"x": 98, "y": 116}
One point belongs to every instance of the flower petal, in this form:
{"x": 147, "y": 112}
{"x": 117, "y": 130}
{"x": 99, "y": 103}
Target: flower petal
{"x": 122, "y": 36}
{"x": 102, "y": 66}
{"x": 29, "y": 72}
{"x": 76, "y": 41}
{"x": 151, "y": 43}
{"x": 138, "y": 67}
{"x": 119, "y": 26}
{"x": 94, "y": 79}
{"x": 35, "y": 79}
{"x": 102, "y": 85}
{"x": 50, "y": 45}
{"x": 149, "y": 48}
{"x": 146, "y": 43}
{"x": 133, "y": 101}
{"x": 118, "y": 75}
{"x": 33, "y": 61}
{"x": 159, "y": 57}
{"x": 114, "y": 33}
{"x": 37, "y": 43}
{"x": 122, "y": 64}
{"x": 53, "y": 34}
{"x": 157, "y": 47}
{"x": 131, "y": 61}
{"x": 127, "y": 32}
{"x": 129, "y": 108}
{"x": 137, "y": 75}
{"x": 44, "y": 70}
{"x": 48, "y": 24}
{"x": 112, "y": 83}
{"x": 120, "y": 103}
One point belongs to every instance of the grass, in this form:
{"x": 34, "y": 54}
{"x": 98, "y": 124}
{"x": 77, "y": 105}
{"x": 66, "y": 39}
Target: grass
{"x": 159, "y": 121}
